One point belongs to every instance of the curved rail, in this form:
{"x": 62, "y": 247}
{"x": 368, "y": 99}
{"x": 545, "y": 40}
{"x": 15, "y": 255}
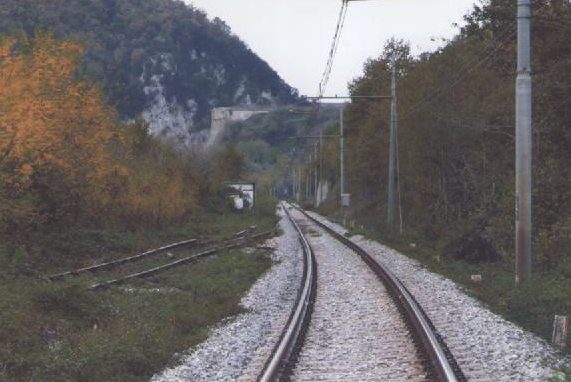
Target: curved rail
{"x": 438, "y": 359}
{"x": 153, "y": 271}
{"x": 299, "y": 318}
{"x": 147, "y": 254}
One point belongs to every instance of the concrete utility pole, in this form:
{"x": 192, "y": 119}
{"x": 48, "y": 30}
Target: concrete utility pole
{"x": 307, "y": 180}
{"x": 345, "y": 198}
{"x": 299, "y": 176}
{"x": 320, "y": 167}
{"x": 523, "y": 149}
{"x": 315, "y": 173}
{"x": 341, "y": 154}
{"x": 393, "y": 146}
{"x": 293, "y": 183}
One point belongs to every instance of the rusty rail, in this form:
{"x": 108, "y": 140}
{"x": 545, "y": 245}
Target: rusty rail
{"x": 144, "y": 255}
{"x": 153, "y": 271}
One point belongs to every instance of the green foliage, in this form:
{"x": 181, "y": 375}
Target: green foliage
{"x": 228, "y": 165}
{"x": 456, "y": 133}
{"x": 61, "y": 331}
{"x": 127, "y": 40}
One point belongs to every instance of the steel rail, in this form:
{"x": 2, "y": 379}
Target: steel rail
{"x": 178, "y": 263}
{"x": 421, "y": 325}
{"x": 299, "y": 318}
{"x": 144, "y": 255}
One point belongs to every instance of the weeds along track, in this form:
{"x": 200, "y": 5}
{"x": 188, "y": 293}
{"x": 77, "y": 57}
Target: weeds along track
{"x": 185, "y": 260}
{"x": 353, "y": 320}
{"x": 210, "y": 248}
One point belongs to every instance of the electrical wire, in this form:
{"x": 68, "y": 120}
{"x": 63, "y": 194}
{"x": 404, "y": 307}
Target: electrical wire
{"x": 467, "y": 69}
{"x": 332, "y": 53}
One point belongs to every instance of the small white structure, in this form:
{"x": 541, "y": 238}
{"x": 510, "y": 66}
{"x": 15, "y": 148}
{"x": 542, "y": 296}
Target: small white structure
{"x": 243, "y": 194}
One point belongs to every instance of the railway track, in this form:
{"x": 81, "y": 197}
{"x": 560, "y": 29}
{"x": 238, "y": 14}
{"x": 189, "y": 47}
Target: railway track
{"x": 211, "y": 248}
{"x": 353, "y": 320}
{"x": 229, "y": 244}
{"x": 148, "y": 254}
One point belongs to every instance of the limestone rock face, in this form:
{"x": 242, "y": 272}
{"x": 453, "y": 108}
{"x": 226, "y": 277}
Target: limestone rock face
{"x": 163, "y": 60}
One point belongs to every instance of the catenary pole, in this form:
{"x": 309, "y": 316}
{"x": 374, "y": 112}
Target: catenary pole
{"x": 320, "y": 167}
{"x": 342, "y": 163}
{"x": 315, "y": 172}
{"x": 523, "y": 222}
{"x": 307, "y": 180}
{"x": 393, "y": 138}
{"x": 341, "y": 153}
{"x": 299, "y": 178}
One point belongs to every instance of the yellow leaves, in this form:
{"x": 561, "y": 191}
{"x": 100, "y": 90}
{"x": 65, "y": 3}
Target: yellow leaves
{"x": 45, "y": 114}
{"x": 6, "y": 47}
{"x": 57, "y": 130}
{"x": 27, "y": 170}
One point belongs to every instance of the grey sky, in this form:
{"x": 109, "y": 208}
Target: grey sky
{"x": 294, "y": 36}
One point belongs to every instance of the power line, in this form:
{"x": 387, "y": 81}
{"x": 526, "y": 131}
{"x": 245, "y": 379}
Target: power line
{"x": 332, "y": 52}
{"x": 334, "y": 47}
{"x": 467, "y": 69}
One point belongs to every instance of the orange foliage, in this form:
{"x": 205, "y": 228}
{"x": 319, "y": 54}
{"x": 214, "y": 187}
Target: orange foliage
{"x": 47, "y": 118}
{"x": 57, "y": 131}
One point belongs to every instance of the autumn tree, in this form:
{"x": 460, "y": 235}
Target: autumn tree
{"x": 64, "y": 157}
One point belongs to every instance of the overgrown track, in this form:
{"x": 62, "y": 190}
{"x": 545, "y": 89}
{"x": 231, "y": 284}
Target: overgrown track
{"x": 145, "y": 255}
{"x": 153, "y": 271}
{"x": 436, "y": 360}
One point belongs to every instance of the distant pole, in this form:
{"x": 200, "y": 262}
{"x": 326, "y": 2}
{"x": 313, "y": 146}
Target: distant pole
{"x": 299, "y": 176}
{"x": 523, "y": 223}
{"x": 315, "y": 173}
{"x": 307, "y": 181}
{"x": 320, "y": 167}
{"x": 393, "y": 147}
{"x": 294, "y": 196}
{"x": 342, "y": 163}
{"x": 341, "y": 154}
{"x": 293, "y": 184}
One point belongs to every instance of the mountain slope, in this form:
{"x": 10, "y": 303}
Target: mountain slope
{"x": 159, "y": 58}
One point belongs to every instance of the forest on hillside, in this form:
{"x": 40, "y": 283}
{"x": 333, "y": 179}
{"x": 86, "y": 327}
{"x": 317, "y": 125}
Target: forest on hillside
{"x": 66, "y": 160}
{"x": 456, "y": 132}
{"x": 78, "y": 187}
{"x": 129, "y": 44}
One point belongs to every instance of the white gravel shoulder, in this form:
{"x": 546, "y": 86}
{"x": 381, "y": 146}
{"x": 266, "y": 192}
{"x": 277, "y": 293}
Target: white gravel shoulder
{"x": 233, "y": 344}
{"x": 487, "y": 347}
{"x": 356, "y": 332}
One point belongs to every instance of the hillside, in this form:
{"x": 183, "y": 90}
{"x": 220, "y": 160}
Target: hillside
{"x": 160, "y": 58}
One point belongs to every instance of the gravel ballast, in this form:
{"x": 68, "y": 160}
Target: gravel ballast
{"x": 486, "y": 346}
{"x": 356, "y": 332}
{"x": 238, "y": 341}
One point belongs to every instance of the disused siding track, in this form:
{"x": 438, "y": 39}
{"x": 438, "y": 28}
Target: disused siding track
{"x": 145, "y": 255}
{"x": 153, "y": 271}
{"x": 360, "y": 329}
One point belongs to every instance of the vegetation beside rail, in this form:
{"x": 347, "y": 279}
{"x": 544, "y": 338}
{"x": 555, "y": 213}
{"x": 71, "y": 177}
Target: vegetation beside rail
{"x": 61, "y": 331}
{"x": 77, "y": 187}
{"x": 456, "y": 158}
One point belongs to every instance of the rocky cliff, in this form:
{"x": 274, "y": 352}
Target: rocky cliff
{"x": 161, "y": 59}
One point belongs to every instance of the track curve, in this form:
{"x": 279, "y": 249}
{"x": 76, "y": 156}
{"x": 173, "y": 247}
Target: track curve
{"x": 434, "y": 363}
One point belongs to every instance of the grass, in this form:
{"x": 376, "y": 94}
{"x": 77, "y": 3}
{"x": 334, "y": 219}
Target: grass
{"x": 62, "y": 332}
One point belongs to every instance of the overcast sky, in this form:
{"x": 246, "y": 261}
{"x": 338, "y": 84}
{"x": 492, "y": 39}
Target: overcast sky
{"x": 294, "y": 36}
